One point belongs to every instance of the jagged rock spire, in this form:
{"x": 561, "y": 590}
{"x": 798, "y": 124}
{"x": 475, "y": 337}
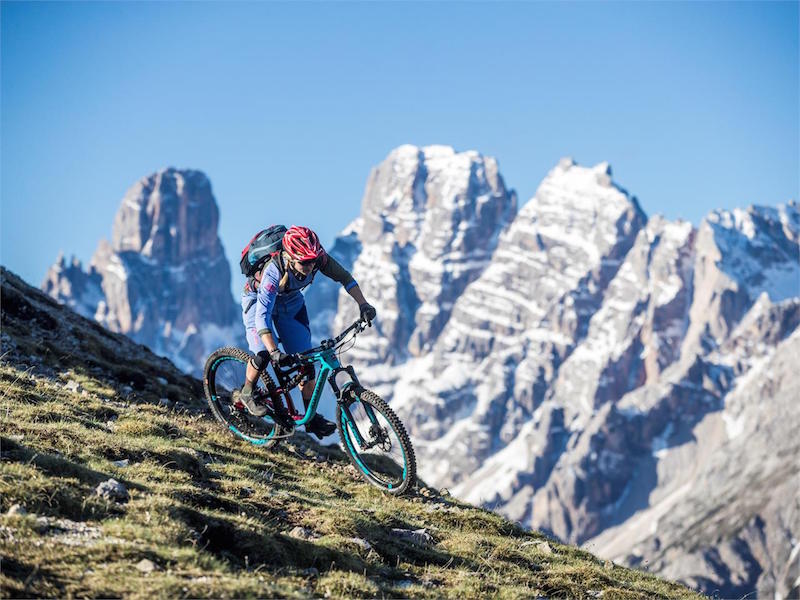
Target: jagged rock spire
{"x": 163, "y": 278}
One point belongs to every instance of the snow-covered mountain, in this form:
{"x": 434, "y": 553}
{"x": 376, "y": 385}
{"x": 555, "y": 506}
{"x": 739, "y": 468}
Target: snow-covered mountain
{"x": 585, "y": 370}
{"x": 163, "y": 280}
{"x": 430, "y": 222}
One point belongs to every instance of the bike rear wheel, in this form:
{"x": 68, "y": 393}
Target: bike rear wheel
{"x": 224, "y": 373}
{"x": 375, "y": 441}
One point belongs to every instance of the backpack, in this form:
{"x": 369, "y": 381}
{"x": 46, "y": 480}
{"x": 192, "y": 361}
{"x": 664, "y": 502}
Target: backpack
{"x": 264, "y": 245}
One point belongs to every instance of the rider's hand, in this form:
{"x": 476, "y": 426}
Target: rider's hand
{"x": 368, "y": 312}
{"x": 277, "y": 358}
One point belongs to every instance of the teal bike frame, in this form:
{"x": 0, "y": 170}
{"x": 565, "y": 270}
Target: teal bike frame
{"x": 325, "y": 355}
{"x": 330, "y": 366}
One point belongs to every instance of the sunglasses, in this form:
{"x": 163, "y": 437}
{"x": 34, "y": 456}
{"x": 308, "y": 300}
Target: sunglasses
{"x": 306, "y": 263}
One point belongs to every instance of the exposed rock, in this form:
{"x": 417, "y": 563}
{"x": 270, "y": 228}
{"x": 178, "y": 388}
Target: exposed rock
{"x": 146, "y": 566}
{"x": 541, "y": 546}
{"x": 68, "y": 283}
{"x": 71, "y": 533}
{"x": 361, "y": 543}
{"x": 17, "y": 510}
{"x": 113, "y": 490}
{"x": 421, "y": 537}
{"x": 303, "y": 533}
{"x": 73, "y": 386}
{"x": 431, "y": 218}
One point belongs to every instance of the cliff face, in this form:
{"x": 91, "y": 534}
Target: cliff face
{"x": 163, "y": 279}
{"x": 584, "y": 370}
{"x": 430, "y": 221}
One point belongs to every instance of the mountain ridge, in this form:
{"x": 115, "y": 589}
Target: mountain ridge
{"x": 524, "y": 402}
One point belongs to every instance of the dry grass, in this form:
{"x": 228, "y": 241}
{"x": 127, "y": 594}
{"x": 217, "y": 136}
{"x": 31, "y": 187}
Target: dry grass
{"x": 212, "y": 514}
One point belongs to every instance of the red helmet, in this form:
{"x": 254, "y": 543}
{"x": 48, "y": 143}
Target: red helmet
{"x": 302, "y": 244}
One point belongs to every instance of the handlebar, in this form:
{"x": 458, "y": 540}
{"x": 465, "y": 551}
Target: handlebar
{"x": 359, "y": 325}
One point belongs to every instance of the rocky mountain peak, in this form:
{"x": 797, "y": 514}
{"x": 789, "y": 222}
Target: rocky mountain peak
{"x": 415, "y": 188}
{"x": 739, "y": 255}
{"x": 170, "y": 217}
{"x": 163, "y": 279}
{"x": 431, "y": 219}
{"x": 764, "y": 242}
{"x": 68, "y": 283}
{"x": 581, "y": 187}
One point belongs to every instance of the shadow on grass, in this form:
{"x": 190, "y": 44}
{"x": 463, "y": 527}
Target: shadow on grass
{"x": 24, "y": 573}
{"x": 64, "y": 500}
{"x": 244, "y": 547}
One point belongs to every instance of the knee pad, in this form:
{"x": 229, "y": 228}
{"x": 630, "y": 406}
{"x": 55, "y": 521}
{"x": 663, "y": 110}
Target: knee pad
{"x": 260, "y": 361}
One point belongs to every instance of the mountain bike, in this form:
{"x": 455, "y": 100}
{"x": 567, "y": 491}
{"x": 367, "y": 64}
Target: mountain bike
{"x": 372, "y": 436}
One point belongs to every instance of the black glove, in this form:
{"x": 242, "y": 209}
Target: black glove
{"x": 279, "y": 358}
{"x": 368, "y": 312}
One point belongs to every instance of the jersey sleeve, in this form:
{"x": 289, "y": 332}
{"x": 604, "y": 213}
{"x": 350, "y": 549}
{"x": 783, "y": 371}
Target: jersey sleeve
{"x": 267, "y": 293}
{"x": 334, "y": 270}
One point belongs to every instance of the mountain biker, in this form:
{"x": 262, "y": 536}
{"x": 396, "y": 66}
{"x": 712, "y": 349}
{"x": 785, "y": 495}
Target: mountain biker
{"x": 273, "y": 303}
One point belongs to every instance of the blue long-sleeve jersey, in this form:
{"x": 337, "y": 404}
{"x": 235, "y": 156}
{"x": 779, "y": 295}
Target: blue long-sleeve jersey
{"x": 269, "y": 293}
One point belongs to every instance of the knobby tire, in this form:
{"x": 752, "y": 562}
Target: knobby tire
{"x": 351, "y": 448}
{"x": 244, "y": 425}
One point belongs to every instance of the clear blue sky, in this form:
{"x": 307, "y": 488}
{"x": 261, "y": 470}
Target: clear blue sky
{"x": 287, "y": 106}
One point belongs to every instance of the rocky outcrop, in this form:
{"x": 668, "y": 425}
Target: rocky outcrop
{"x": 69, "y": 284}
{"x": 163, "y": 279}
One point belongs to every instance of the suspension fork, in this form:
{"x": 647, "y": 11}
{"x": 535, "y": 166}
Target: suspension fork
{"x": 375, "y": 437}
{"x": 348, "y": 392}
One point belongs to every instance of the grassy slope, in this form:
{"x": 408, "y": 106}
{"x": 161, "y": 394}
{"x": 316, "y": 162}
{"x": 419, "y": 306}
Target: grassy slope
{"x": 213, "y": 513}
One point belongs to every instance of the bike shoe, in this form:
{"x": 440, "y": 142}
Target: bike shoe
{"x": 320, "y": 427}
{"x": 249, "y": 402}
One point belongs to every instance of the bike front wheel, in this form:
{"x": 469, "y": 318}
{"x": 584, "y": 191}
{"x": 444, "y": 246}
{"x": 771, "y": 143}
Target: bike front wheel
{"x": 224, "y": 373}
{"x": 376, "y": 441}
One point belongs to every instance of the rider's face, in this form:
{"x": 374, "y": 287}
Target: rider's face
{"x": 303, "y": 267}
